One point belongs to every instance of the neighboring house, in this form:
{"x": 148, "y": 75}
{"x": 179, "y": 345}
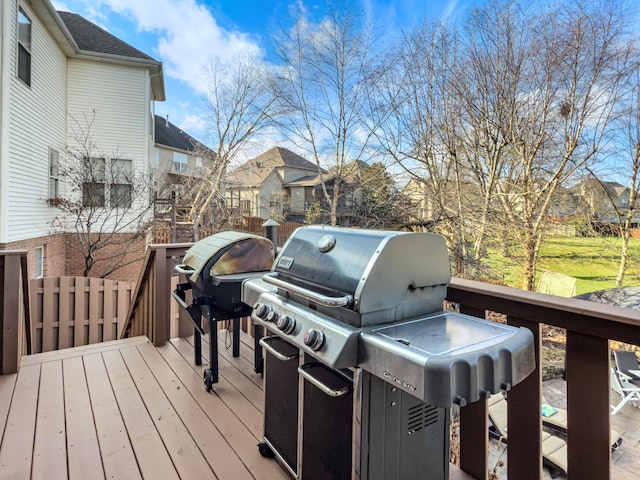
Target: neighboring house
{"x": 599, "y": 201}
{"x": 62, "y": 77}
{"x": 277, "y": 184}
{"x": 180, "y": 162}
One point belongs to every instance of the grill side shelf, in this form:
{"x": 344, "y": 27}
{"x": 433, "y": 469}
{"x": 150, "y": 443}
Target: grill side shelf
{"x": 428, "y": 362}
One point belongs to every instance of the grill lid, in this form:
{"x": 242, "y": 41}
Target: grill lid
{"x": 232, "y": 253}
{"x": 381, "y": 270}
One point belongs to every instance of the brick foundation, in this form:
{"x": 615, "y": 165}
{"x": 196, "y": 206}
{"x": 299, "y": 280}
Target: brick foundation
{"x": 62, "y": 257}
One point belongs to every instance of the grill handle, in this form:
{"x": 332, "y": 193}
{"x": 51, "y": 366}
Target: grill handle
{"x": 304, "y": 370}
{"x": 184, "y": 269}
{"x": 310, "y": 295}
{"x": 265, "y": 342}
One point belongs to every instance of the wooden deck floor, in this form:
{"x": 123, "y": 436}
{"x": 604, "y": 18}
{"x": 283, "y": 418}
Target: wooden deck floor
{"x": 126, "y": 410}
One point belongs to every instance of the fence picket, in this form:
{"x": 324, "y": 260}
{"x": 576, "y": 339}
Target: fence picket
{"x": 96, "y": 304}
{"x": 65, "y": 317}
{"x": 107, "y": 314}
{"x": 79, "y": 337}
{"x": 49, "y": 313}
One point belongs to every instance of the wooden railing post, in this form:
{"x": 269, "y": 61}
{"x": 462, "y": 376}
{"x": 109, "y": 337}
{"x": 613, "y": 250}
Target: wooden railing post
{"x": 587, "y": 372}
{"x": 162, "y": 287}
{"x": 13, "y": 314}
{"x": 474, "y": 440}
{"x": 524, "y": 418}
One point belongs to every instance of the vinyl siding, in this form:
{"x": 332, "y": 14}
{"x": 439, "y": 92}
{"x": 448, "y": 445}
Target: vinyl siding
{"x": 36, "y": 122}
{"x": 114, "y": 100}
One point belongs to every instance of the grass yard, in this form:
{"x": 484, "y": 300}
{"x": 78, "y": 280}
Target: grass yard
{"x": 594, "y": 262}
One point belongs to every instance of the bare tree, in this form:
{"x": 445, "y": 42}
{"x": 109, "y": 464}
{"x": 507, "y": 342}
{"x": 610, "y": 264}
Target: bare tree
{"x": 495, "y": 120}
{"x": 104, "y": 200}
{"x": 569, "y": 93}
{"x": 626, "y": 164}
{"x": 241, "y": 106}
{"x": 420, "y": 130}
{"x": 324, "y": 79}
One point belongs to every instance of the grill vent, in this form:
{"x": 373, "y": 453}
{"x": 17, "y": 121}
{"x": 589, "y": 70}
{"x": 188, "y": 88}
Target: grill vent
{"x": 421, "y": 416}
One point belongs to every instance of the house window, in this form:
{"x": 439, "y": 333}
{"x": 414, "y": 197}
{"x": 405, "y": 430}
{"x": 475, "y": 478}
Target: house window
{"x": 199, "y": 164}
{"x": 156, "y": 158}
{"x": 245, "y": 206}
{"x": 93, "y": 186}
{"x": 24, "y": 47}
{"x": 274, "y": 200}
{"x": 54, "y": 173}
{"x": 39, "y": 262}
{"x": 121, "y": 183}
{"x": 179, "y": 162}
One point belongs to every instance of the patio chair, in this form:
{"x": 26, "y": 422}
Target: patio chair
{"x": 554, "y": 449}
{"x": 621, "y": 384}
{"x": 556, "y": 422}
{"x": 555, "y": 419}
{"x": 627, "y": 363}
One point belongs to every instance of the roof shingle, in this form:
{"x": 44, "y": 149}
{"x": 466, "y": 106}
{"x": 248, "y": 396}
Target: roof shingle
{"x": 91, "y": 38}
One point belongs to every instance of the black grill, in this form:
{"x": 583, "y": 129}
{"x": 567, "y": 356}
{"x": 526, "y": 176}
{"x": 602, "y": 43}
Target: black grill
{"x": 215, "y": 268}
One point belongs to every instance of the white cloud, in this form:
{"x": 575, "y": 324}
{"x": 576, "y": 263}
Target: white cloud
{"x": 188, "y": 35}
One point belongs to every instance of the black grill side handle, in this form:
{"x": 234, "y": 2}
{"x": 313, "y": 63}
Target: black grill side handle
{"x": 193, "y": 310}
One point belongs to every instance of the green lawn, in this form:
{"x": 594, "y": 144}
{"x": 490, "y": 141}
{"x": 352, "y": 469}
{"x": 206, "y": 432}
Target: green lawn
{"x": 594, "y": 262}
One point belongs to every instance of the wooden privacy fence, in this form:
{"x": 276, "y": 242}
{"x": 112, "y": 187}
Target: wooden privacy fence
{"x": 74, "y": 311}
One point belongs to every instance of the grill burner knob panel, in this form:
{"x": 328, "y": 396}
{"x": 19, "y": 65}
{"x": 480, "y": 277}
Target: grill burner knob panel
{"x": 286, "y": 324}
{"x": 314, "y": 339}
{"x": 262, "y": 310}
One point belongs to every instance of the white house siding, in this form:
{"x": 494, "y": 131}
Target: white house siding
{"x": 114, "y": 99}
{"x": 36, "y": 122}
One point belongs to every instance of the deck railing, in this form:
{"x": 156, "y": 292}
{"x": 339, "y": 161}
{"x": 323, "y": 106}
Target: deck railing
{"x": 15, "y": 329}
{"x": 589, "y": 327}
{"x": 151, "y": 310}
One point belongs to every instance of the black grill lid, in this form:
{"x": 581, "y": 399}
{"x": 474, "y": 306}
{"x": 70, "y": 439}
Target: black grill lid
{"x": 228, "y": 253}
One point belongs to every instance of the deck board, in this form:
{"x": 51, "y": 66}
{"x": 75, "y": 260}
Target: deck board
{"x": 50, "y": 448}
{"x": 16, "y": 454}
{"x": 217, "y": 452}
{"x": 83, "y": 450}
{"x": 232, "y": 422}
{"x": 7, "y": 384}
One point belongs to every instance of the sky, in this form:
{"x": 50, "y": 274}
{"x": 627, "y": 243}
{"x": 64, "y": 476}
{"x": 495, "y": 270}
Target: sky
{"x": 185, "y": 34}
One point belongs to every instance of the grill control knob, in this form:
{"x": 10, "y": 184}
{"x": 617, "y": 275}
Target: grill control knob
{"x": 262, "y": 310}
{"x": 272, "y": 316}
{"x": 314, "y": 339}
{"x": 286, "y": 323}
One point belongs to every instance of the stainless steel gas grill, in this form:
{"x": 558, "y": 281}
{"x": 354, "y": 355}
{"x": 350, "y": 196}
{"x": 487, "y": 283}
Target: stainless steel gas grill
{"x": 362, "y": 364}
{"x": 215, "y": 268}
